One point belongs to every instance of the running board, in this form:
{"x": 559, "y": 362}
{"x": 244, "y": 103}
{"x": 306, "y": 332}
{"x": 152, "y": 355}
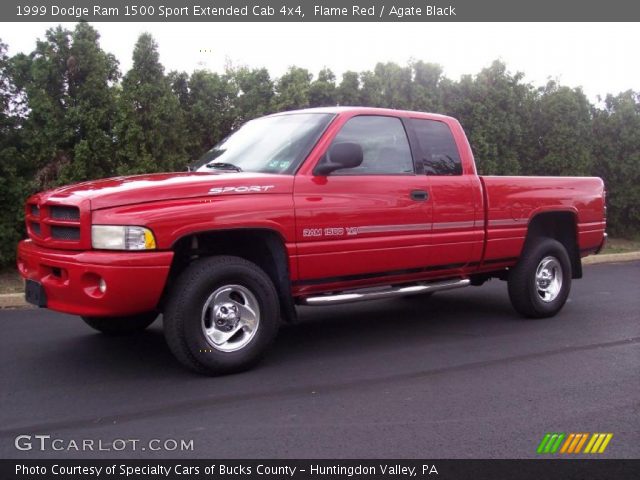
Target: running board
{"x": 391, "y": 292}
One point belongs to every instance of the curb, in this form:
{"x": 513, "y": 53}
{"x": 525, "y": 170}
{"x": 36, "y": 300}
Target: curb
{"x": 16, "y": 300}
{"x": 13, "y": 300}
{"x": 611, "y": 258}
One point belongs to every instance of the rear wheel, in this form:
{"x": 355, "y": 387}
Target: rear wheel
{"x": 221, "y": 315}
{"x": 540, "y": 283}
{"x": 121, "y": 325}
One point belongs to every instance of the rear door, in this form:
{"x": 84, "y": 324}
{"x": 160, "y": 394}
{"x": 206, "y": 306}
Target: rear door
{"x": 365, "y": 222}
{"x": 455, "y": 194}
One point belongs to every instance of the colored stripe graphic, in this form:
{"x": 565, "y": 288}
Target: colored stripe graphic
{"x": 581, "y": 442}
{"x": 567, "y": 442}
{"x": 550, "y": 443}
{"x": 543, "y": 443}
{"x": 605, "y": 443}
{"x": 556, "y": 445}
{"x": 598, "y": 442}
{"x": 572, "y": 443}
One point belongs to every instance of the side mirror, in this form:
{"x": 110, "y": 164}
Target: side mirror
{"x": 340, "y": 155}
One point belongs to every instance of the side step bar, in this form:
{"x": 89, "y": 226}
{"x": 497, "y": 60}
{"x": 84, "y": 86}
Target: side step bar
{"x": 390, "y": 292}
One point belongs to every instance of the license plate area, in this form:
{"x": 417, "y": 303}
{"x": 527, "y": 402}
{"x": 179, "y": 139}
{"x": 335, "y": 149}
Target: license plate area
{"x": 34, "y": 293}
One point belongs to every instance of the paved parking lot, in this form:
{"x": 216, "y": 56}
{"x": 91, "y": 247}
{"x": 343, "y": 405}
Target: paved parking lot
{"x": 459, "y": 375}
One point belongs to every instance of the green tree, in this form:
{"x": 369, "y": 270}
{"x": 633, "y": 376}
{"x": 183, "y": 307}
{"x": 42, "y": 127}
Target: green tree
{"x": 493, "y": 108}
{"x": 255, "y": 93}
{"x": 91, "y": 108}
{"x": 371, "y": 90}
{"x": 322, "y": 92}
{"x": 617, "y": 160}
{"x": 42, "y": 80}
{"x": 395, "y": 85}
{"x": 180, "y": 87}
{"x": 14, "y": 174}
{"x": 150, "y": 130}
{"x": 426, "y": 92}
{"x": 211, "y": 110}
{"x": 292, "y": 89}
{"x": 562, "y": 126}
{"x": 348, "y": 92}
{"x": 67, "y": 89}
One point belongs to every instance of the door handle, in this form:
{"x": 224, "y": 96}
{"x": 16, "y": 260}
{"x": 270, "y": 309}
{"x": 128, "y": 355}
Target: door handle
{"x": 419, "y": 195}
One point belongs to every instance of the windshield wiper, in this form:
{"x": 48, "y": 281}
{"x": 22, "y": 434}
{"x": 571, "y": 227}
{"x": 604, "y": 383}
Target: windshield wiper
{"x": 224, "y": 166}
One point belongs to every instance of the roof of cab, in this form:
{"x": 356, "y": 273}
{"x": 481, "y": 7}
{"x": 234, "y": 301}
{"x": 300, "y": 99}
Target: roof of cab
{"x": 366, "y": 111}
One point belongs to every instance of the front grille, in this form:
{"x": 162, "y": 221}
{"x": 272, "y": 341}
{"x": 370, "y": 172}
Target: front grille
{"x": 57, "y": 226}
{"x": 65, "y": 233}
{"x": 35, "y": 228}
{"x": 57, "y": 212}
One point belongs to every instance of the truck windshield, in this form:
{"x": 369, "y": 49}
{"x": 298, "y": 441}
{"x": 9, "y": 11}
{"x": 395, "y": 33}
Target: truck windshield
{"x": 267, "y": 145}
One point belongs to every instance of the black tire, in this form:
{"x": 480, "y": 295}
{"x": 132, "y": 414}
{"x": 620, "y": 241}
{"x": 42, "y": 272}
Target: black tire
{"x": 185, "y": 321}
{"x": 524, "y": 291}
{"x": 121, "y": 325}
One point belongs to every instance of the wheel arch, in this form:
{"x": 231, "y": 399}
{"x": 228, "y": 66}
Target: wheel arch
{"x": 561, "y": 225}
{"x": 263, "y": 246}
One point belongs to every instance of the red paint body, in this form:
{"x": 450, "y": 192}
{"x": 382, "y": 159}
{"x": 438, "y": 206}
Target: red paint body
{"x": 469, "y": 225}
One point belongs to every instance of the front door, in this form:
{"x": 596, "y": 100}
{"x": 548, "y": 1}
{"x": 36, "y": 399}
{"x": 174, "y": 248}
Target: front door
{"x": 370, "y": 221}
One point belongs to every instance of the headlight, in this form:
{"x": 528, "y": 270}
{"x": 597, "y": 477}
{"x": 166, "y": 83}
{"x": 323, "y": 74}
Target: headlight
{"x": 112, "y": 237}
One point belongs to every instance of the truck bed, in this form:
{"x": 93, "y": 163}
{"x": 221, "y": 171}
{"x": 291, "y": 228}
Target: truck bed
{"x": 511, "y": 202}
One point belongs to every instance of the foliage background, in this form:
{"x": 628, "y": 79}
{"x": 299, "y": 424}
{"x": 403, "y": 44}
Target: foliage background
{"x": 69, "y": 115}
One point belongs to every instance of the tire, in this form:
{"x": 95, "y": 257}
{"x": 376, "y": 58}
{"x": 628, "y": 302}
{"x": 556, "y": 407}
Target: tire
{"x": 540, "y": 283}
{"x": 221, "y": 315}
{"x": 121, "y": 325}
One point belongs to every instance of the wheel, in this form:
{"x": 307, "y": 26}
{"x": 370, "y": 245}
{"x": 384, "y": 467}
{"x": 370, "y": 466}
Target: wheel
{"x": 121, "y": 325}
{"x": 540, "y": 283}
{"x": 221, "y": 315}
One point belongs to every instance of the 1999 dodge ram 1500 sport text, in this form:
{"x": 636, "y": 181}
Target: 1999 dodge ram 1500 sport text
{"x": 311, "y": 207}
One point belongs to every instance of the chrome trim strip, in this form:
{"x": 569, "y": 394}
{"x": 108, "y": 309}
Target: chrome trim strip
{"x": 417, "y": 227}
{"x": 394, "y": 228}
{"x": 508, "y": 222}
{"x": 443, "y": 225}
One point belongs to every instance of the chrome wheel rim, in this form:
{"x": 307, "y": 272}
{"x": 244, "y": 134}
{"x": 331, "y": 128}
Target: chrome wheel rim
{"x": 548, "y": 279}
{"x": 230, "y": 318}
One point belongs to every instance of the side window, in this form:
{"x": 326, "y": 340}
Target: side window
{"x": 439, "y": 149}
{"x": 384, "y": 145}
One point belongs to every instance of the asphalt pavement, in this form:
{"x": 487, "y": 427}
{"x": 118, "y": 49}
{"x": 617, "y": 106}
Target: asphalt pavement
{"x": 458, "y": 375}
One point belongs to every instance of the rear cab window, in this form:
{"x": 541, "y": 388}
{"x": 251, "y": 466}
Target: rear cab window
{"x": 438, "y": 150}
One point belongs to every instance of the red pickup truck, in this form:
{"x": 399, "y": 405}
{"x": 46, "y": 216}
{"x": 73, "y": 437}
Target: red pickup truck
{"x": 310, "y": 207}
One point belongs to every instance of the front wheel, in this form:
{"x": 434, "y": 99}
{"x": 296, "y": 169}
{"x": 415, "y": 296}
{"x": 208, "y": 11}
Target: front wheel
{"x": 221, "y": 315}
{"x": 121, "y": 325}
{"x": 540, "y": 283}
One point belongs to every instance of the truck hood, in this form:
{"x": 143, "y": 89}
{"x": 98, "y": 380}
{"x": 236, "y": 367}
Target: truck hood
{"x": 119, "y": 191}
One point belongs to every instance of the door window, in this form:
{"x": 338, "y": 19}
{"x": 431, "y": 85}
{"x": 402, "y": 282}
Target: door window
{"x": 384, "y": 143}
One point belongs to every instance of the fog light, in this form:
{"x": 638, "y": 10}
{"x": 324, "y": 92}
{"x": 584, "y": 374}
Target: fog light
{"x": 102, "y": 285}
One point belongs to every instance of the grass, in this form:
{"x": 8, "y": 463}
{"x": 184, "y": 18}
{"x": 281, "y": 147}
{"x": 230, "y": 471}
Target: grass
{"x": 11, "y": 282}
{"x": 621, "y": 245}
